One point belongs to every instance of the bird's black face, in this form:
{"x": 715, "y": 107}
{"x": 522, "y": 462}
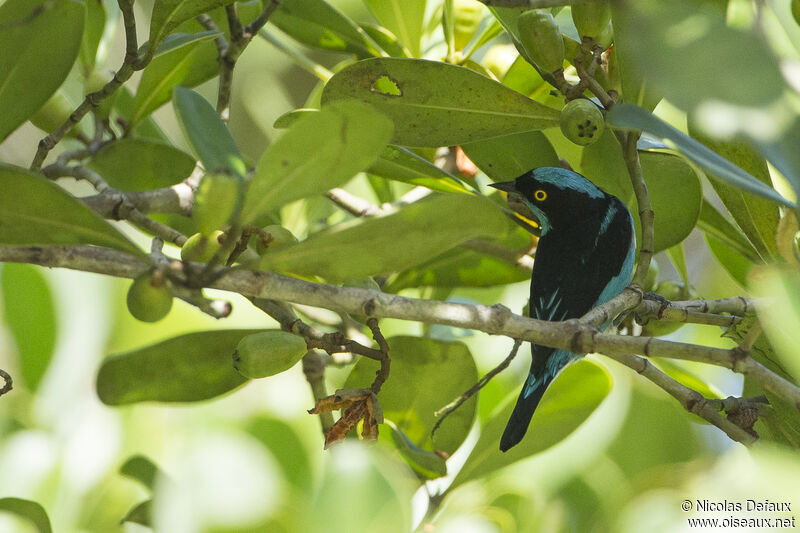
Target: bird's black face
{"x": 557, "y": 197}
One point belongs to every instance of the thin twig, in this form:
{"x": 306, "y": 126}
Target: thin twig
{"x": 445, "y": 411}
{"x": 383, "y": 372}
{"x": 628, "y": 141}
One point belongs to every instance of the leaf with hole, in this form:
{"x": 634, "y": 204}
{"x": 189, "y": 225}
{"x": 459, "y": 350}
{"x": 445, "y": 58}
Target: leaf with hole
{"x": 35, "y": 211}
{"x": 31, "y": 67}
{"x": 320, "y": 151}
{"x": 417, "y": 233}
{"x": 436, "y": 104}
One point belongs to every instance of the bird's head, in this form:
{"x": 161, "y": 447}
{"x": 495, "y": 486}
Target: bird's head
{"x": 558, "y": 197}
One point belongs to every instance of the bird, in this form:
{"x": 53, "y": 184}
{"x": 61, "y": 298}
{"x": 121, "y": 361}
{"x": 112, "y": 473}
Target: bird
{"x": 584, "y": 258}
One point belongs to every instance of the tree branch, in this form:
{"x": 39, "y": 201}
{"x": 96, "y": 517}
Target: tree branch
{"x": 628, "y": 141}
{"x": 572, "y": 335}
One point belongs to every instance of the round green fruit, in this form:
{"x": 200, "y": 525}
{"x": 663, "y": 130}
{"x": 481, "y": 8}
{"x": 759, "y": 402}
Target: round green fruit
{"x": 55, "y": 111}
{"x": 216, "y": 201}
{"x": 277, "y": 237}
{"x": 541, "y": 38}
{"x": 149, "y": 297}
{"x": 201, "y": 247}
{"x": 582, "y": 122}
{"x": 268, "y": 353}
{"x": 591, "y": 18}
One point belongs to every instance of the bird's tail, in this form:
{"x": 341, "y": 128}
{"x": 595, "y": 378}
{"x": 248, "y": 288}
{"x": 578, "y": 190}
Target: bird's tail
{"x": 528, "y": 400}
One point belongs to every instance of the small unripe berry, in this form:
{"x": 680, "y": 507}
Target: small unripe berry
{"x": 149, "y": 297}
{"x": 268, "y": 353}
{"x": 591, "y": 18}
{"x": 201, "y": 247}
{"x": 582, "y": 122}
{"x": 541, "y": 38}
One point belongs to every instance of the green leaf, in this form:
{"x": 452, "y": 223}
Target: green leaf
{"x": 735, "y": 264}
{"x": 522, "y": 77}
{"x": 125, "y": 106}
{"x": 132, "y": 164}
{"x": 686, "y": 378}
{"x": 633, "y": 117}
{"x": 436, "y": 104}
{"x": 320, "y": 151}
{"x": 416, "y": 389}
{"x": 401, "y": 164}
{"x": 756, "y": 216}
{"x": 320, "y": 25}
{"x": 207, "y": 133}
{"x": 187, "y": 66}
{"x": 676, "y": 43}
{"x": 717, "y": 226}
{"x": 142, "y": 469}
{"x": 30, "y": 315}
{"x": 31, "y": 67}
{"x": 94, "y": 25}
{"x": 510, "y": 156}
{"x": 36, "y": 211}
{"x": 781, "y": 317}
{"x": 141, "y": 514}
{"x": 636, "y": 86}
{"x": 28, "y": 510}
{"x": 678, "y": 259}
{"x": 391, "y": 243}
{"x": 285, "y": 445}
{"x": 460, "y": 267}
{"x": 188, "y": 368}
{"x": 386, "y": 40}
{"x": 673, "y": 187}
{"x": 169, "y": 14}
{"x": 404, "y": 18}
{"x": 783, "y": 154}
{"x": 179, "y": 40}
{"x": 572, "y": 397}
{"x": 426, "y": 463}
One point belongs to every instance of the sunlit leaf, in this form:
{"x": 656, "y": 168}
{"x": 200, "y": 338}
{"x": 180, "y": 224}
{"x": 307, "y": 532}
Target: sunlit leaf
{"x": 404, "y": 18}
{"x": 416, "y": 389}
{"x": 187, "y": 368}
{"x": 207, "y": 133}
{"x": 30, "y": 315}
{"x": 284, "y": 443}
{"x": 436, "y": 104}
{"x": 631, "y": 116}
{"x": 36, "y": 211}
{"x": 31, "y": 68}
{"x": 401, "y": 164}
{"x": 568, "y": 402}
{"x": 321, "y": 150}
{"x": 393, "y": 242}
{"x": 319, "y": 24}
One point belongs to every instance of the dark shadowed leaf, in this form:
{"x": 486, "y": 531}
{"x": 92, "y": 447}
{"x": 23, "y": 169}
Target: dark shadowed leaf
{"x": 416, "y": 389}
{"x": 169, "y": 14}
{"x": 321, "y": 150}
{"x": 94, "y": 24}
{"x": 36, "y": 211}
{"x": 31, "y": 67}
{"x": 436, "y": 104}
{"x": 568, "y": 402}
{"x": 417, "y": 233}
{"x": 30, "y": 314}
{"x": 132, "y": 164}
{"x": 207, "y": 133}
{"x": 510, "y": 156}
{"x": 401, "y": 164}
{"x": 140, "y": 514}
{"x": 714, "y": 224}
{"x": 142, "y": 469}
{"x": 187, "y": 368}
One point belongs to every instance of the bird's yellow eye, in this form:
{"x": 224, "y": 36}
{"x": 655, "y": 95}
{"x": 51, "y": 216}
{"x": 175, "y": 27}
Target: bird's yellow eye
{"x": 540, "y": 195}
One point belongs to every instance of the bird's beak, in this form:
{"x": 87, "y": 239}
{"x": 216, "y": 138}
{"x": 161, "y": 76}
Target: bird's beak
{"x": 507, "y": 186}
